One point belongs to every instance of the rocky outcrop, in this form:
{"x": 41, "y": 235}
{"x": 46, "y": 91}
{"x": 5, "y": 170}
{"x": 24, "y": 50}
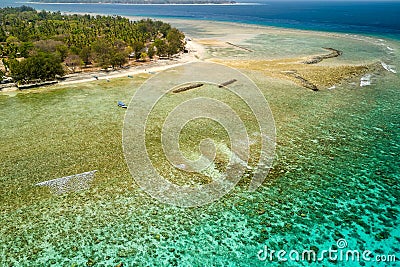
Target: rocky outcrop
{"x": 317, "y": 59}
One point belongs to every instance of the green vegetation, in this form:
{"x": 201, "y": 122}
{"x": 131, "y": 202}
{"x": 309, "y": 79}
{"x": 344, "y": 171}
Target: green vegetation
{"x": 39, "y": 67}
{"x": 38, "y": 46}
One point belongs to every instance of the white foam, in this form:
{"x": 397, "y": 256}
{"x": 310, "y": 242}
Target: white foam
{"x": 389, "y": 48}
{"x": 332, "y": 87}
{"x": 365, "y": 80}
{"x": 388, "y": 67}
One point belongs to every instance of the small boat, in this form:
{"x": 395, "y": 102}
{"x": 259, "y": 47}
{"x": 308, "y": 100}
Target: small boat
{"x": 122, "y": 105}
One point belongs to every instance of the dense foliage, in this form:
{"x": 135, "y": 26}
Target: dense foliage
{"x": 78, "y": 40}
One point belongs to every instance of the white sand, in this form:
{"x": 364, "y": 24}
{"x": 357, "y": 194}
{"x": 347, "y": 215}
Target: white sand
{"x": 196, "y": 53}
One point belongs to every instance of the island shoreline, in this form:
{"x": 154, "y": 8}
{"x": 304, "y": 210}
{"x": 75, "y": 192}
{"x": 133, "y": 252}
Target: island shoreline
{"x": 195, "y": 56}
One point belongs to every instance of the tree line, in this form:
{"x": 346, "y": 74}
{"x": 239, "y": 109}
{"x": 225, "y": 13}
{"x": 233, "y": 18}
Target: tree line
{"x": 41, "y": 45}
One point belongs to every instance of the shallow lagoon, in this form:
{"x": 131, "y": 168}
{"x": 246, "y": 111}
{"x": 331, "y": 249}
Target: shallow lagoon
{"x": 336, "y": 174}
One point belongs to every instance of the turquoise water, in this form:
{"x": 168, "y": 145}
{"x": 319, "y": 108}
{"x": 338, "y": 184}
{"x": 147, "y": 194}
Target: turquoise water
{"x": 366, "y": 17}
{"x": 336, "y": 175}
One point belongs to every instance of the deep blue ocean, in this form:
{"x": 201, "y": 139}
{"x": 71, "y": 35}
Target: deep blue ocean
{"x": 379, "y": 18}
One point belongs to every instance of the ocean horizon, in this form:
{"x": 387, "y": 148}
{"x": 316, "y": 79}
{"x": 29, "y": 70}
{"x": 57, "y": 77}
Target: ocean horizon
{"x": 376, "y": 18}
